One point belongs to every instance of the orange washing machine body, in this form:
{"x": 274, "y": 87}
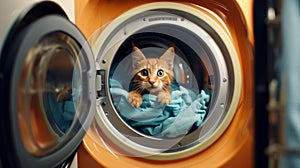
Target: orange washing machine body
{"x": 224, "y": 140}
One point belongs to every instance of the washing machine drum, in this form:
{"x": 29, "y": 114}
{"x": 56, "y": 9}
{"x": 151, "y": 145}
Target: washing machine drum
{"x": 149, "y": 46}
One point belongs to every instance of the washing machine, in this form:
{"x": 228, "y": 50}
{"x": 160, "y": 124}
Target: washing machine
{"x": 209, "y": 120}
{"x": 47, "y": 80}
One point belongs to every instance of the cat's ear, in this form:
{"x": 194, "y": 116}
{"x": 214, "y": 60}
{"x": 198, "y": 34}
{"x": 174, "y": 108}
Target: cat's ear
{"x": 137, "y": 56}
{"x": 168, "y": 56}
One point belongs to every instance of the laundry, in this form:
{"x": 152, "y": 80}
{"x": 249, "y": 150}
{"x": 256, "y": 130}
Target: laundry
{"x": 186, "y": 111}
{"x": 63, "y": 112}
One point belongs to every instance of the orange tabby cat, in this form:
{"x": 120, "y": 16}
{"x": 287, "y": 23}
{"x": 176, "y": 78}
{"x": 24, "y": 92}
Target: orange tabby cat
{"x": 151, "y": 76}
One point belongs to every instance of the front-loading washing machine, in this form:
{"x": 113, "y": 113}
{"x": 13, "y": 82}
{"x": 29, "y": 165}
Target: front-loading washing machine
{"x": 209, "y": 120}
{"x": 47, "y": 80}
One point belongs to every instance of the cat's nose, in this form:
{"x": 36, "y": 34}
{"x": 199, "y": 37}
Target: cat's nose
{"x": 152, "y": 82}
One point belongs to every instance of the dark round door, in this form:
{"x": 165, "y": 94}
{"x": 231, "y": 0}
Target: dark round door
{"x": 47, "y": 86}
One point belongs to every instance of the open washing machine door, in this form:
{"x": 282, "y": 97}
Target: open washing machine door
{"x": 207, "y": 95}
{"x": 47, "y": 85}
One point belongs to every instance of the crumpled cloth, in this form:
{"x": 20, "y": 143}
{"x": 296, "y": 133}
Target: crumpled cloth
{"x": 62, "y": 112}
{"x": 185, "y": 112}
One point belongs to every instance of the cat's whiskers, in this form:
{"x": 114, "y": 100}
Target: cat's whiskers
{"x": 139, "y": 88}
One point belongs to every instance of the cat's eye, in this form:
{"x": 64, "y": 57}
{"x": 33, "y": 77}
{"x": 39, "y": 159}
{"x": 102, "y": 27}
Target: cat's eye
{"x": 144, "y": 72}
{"x": 160, "y": 73}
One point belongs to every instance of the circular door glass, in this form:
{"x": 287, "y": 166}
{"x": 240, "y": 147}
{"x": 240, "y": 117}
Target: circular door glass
{"x": 168, "y": 83}
{"x": 50, "y": 79}
{"x": 47, "y": 96}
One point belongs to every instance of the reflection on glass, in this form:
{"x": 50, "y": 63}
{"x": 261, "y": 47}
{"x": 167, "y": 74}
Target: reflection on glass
{"x": 58, "y": 101}
{"x": 47, "y": 97}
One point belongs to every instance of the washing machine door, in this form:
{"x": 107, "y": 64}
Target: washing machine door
{"x": 47, "y": 92}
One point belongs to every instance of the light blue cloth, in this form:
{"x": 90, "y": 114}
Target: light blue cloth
{"x": 185, "y": 111}
{"x": 291, "y": 70}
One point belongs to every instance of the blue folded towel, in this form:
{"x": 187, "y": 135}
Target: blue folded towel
{"x": 185, "y": 111}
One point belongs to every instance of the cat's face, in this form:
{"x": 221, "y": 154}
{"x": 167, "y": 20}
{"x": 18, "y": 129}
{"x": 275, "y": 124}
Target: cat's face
{"x": 152, "y": 74}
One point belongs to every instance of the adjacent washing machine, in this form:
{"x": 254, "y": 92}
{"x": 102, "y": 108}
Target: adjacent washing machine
{"x": 209, "y": 119}
{"x": 47, "y": 84}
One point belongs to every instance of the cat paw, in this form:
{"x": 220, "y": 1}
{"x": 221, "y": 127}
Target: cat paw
{"x": 164, "y": 98}
{"x": 135, "y": 99}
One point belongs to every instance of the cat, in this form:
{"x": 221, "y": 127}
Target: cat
{"x": 151, "y": 76}
{"x": 64, "y": 94}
